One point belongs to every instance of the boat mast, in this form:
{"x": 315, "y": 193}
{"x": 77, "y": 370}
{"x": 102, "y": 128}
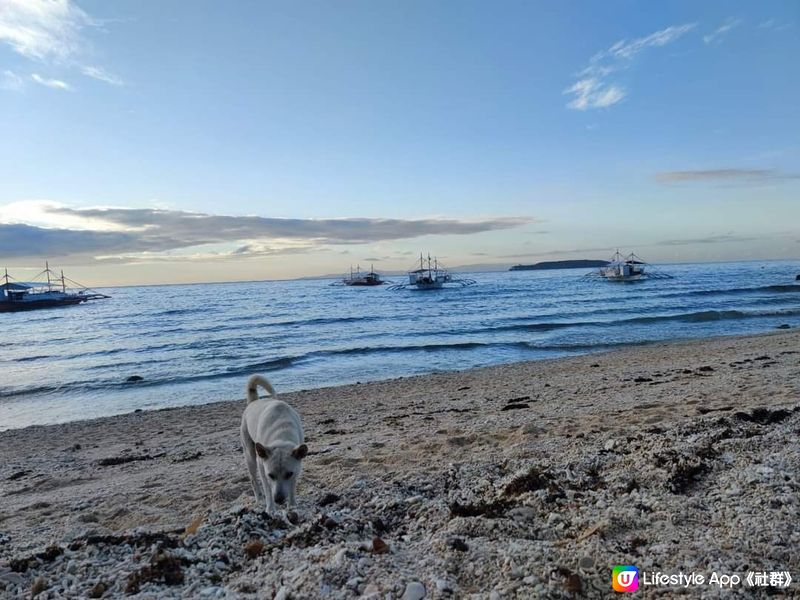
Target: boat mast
{"x": 63, "y": 283}
{"x": 47, "y": 270}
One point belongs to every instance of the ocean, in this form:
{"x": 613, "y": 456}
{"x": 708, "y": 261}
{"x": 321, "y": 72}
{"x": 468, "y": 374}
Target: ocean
{"x": 194, "y": 344}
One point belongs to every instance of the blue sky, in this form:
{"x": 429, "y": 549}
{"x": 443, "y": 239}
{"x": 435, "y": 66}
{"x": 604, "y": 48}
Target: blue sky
{"x": 483, "y": 132}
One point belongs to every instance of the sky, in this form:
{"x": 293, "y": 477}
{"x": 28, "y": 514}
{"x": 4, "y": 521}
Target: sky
{"x": 152, "y": 141}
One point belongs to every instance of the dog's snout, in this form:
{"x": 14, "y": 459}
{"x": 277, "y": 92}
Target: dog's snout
{"x": 280, "y": 499}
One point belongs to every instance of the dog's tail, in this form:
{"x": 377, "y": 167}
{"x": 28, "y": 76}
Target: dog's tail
{"x": 252, "y": 387}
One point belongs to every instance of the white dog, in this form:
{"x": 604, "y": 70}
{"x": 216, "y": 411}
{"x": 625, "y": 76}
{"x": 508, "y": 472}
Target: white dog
{"x": 272, "y": 438}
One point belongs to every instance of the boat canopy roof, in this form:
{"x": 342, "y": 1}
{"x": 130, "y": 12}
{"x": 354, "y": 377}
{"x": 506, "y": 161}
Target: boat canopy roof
{"x": 19, "y": 285}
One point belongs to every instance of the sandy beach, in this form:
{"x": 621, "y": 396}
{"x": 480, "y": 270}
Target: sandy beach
{"x": 518, "y": 481}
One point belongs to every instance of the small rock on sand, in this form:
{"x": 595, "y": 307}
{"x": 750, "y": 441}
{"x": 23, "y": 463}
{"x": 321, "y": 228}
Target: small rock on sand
{"x": 414, "y": 591}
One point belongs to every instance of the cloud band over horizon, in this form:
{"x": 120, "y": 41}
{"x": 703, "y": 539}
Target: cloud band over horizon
{"x": 107, "y": 233}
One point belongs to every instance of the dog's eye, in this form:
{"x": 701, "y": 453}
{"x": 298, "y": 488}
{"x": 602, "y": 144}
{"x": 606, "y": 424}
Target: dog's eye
{"x": 289, "y": 475}
{"x": 272, "y": 476}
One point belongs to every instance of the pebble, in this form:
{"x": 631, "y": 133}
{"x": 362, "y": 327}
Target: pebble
{"x": 443, "y": 585}
{"x": 414, "y": 591}
{"x": 282, "y": 594}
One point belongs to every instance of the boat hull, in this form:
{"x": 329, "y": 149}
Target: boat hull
{"x": 363, "y": 283}
{"x": 37, "y": 304}
{"x": 624, "y": 278}
{"x": 435, "y": 285}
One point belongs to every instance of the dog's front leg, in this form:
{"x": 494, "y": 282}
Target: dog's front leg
{"x": 267, "y": 490}
{"x": 292, "y": 502}
{"x": 252, "y": 470}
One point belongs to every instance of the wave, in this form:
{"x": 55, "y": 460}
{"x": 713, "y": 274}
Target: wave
{"x": 711, "y": 315}
{"x": 773, "y": 289}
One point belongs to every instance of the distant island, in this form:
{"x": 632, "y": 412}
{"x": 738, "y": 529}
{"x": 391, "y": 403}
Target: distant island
{"x": 561, "y": 264}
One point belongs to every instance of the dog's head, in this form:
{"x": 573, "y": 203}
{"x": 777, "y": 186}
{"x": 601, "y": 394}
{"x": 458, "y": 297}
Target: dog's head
{"x": 283, "y": 465}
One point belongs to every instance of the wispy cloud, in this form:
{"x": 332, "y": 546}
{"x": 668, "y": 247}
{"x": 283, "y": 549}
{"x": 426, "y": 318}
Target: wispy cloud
{"x": 725, "y": 176}
{"x": 724, "y": 238}
{"x": 119, "y": 231}
{"x": 595, "y": 87}
{"x": 55, "y": 84}
{"x": 715, "y": 37}
{"x": 50, "y": 32}
{"x": 101, "y": 75}
{"x": 11, "y": 81}
{"x": 773, "y": 25}
{"x": 42, "y": 30}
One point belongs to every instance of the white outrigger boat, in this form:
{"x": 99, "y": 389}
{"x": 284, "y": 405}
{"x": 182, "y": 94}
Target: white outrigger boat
{"x": 17, "y": 296}
{"x": 627, "y": 268}
{"x": 430, "y": 275}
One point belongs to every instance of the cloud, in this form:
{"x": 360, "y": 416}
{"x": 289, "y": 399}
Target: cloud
{"x": 42, "y": 30}
{"x": 627, "y": 50}
{"x": 774, "y": 25}
{"x": 55, "y": 84}
{"x": 717, "y": 35}
{"x": 711, "y": 239}
{"x": 50, "y": 32}
{"x": 592, "y": 92}
{"x": 101, "y": 75}
{"x": 609, "y": 250}
{"x": 112, "y": 232}
{"x": 594, "y": 87}
{"x": 12, "y": 82}
{"x": 725, "y": 175}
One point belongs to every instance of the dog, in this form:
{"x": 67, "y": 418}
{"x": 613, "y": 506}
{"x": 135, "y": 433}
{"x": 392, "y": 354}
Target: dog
{"x": 274, "y": 445}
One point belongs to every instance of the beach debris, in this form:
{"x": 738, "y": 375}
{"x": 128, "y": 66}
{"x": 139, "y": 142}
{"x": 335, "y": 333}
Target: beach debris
{"x": 18, "y": 475}
{"x": 515, "y": 406}
{"x": 573, "y": 583}
{"x": 492, "y": 510}
{"x": 328, "y": 498}
{"x": 254, "y": 548}
{"x": 192, "y": 527}
{"x": 379, "y": 546}
{"x": 121, "y": 460}
{"x": 164, "y": 568}
{"x": 763, "y": 416}
{"x": 39, "y": 585}
{"x": 186, "y": 456}
{"x": 530, "y": 481}
{"x": 458, "y": 544}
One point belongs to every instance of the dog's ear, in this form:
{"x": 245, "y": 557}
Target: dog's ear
{"x": 300, "y": 452}
{"x": 262, "y": 451}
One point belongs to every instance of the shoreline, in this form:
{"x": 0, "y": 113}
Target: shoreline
{"x": 522, "y": 479}
{"x": 622, "y": 348}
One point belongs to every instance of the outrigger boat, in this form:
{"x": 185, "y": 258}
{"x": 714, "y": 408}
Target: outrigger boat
{"x": 360, "y": 279}
{"x": 31, "y": 295}
{"x": 431, "y": 276}
{"x": 627, "y": 268}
